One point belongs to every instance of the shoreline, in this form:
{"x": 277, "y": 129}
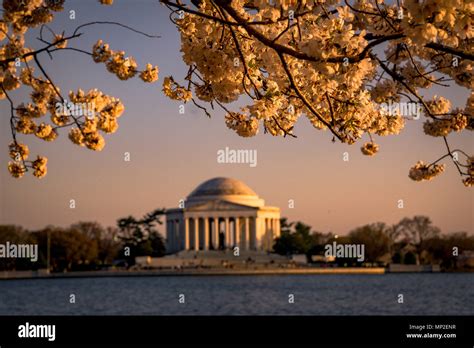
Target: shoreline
{"x": 42, "y": 274}
{"x": 198, "y": 272}
{"x": 5, "y": 275}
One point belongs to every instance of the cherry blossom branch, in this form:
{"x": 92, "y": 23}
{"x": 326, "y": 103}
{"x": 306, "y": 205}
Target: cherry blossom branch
{"x": 283, "y": 129}
{"x": 301, "y": 55}
{"x": 452, "y": 156}
{"x": 399, "y": 79}
{"x": 43, "y": 71}
{"x": 242, "y": 58}
{"x": 420, "y": 74}
{"x": 117, "y": 24}
{"x": 12, "y": 124}
{"x": 330, "y": 108}
{"x": 223, "y": 21}
{"x": 303, "y": 98}
{"x": 443, "y": 48}
{"x": 5, "y": 62}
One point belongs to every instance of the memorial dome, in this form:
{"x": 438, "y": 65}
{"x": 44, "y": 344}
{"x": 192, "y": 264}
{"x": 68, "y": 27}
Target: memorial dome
{"x": 226, "y": 189}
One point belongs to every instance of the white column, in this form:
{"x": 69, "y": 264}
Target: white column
{"x": 260, "y": 233}
{"x": 196, "y": 233}
{"x": 186, "y": 234}
{"x": 274, "y": 225}
{"x": 267, "y": 233}
{"x": 253, "y": 234}
{"x": 231, "y": 233}
{"x": 277, "y": 232}
{"x": 227, "y": 233}
{"x": 206, "y": 233}
{"x": 247, "y": 234}
{"x": 237, "y": 232}
{"x": 215, "y": 242}
{"x": 272, "y": 233}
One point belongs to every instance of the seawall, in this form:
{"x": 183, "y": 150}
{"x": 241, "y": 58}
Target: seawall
{"x": 189, "y": 272}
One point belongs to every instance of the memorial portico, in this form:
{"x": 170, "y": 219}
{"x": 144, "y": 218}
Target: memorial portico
{"x": 220, "y": 214}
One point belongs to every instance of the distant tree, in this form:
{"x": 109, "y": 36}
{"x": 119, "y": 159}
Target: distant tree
{"x": 141, "y": 235}
{"x": 318, "y": 241}
{"x": 302, "y": 238}
{"x": 284, "y": 245}
{"x": 12, "y": 233}
{"x": 90, "y": 229}
{"x": 70, "y": 248}
{"x": 417, "y": 230}
{"x": 394, "y": 233}
{"x": 15, "y": 235}
{"x": 109, "y": 245}
{"x": 375, "y": 239}
{"x": 285, "y": 226}
{"x": 157, "y": 244}
{"x": 297, "y": 238}
{"x": 297, "y": 241}
{"x": 104, "y": 239}
{"x": 461, "y": 240}
{"x": 445, "y": 249}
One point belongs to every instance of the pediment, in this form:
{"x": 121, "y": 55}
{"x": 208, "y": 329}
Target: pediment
{"x": 219, "y": 205}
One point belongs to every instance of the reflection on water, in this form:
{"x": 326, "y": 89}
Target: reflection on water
{"x": 424, "y": 294}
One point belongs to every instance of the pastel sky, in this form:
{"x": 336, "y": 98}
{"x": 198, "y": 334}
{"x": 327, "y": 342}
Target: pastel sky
{"x": 172, "y": 153}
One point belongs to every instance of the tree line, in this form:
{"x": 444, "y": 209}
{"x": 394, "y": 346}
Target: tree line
{"x": 87, "y": 245}
{"x": 410, "y": 241}
{"x": 90, "y": 246}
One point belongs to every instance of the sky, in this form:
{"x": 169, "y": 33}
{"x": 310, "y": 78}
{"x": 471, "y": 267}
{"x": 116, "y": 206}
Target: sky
{"x": 172, "y": 153}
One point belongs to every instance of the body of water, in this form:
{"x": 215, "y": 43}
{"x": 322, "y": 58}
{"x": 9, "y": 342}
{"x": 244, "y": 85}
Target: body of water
{"x": 423, "y": 294}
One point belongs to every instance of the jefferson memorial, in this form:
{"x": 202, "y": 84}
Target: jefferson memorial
{"x": 220, "y": 214}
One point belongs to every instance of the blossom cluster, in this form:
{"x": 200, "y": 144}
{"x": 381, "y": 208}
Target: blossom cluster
{"x": 469, "y": 180}
{"x": 40, "y": 115}
{"x": 369, "y": 149}
{"x": 243, "y": 125}
{"x": 442, "y": 127}
{"x": 174, "y": 91}
{"x": 333, "y": 77}
{"x": 18, "y": 17}
{"x": 233, "y": 64}
{"x": 123, "y": 67}
{"x": 106, "y": 112}
{"x": 422, "y": 171}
